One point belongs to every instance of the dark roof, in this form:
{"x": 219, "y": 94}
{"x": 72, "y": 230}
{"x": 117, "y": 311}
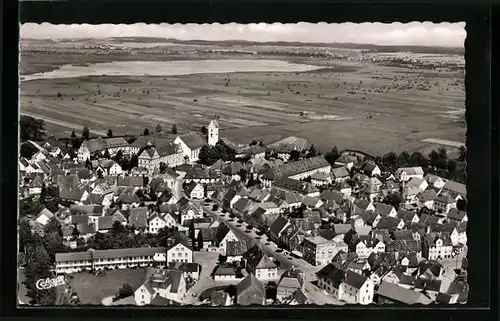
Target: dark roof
{"x": 250, "y": 282}
{"x": 301, "y": 187}
{"x": 138, "y": 217}
{"x": 193, "y": 140}
{"x": 291, "y": 277}
{"x": 456, "y": 214}
{"x": 136, "y": 181}
{"x": 222, "y": 231}
{"x": 397, "y": 293}
{"x": 331, "y": 273}
{"x": 236, "y": 248}
{"x": 72, "y": 195}
{"x": 86, "y": 209}
{"x": 278, "y": 225}
{"x": 294, "y": 168}
{"x": 105, "y": 223}
{"x": 354, "y": 279}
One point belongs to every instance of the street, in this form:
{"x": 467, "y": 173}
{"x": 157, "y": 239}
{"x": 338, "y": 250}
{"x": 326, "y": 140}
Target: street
{"x": 449, "y": 267}
{"x": 315, "y": 294}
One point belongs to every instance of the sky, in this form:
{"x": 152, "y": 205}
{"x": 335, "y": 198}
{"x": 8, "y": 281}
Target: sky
{"x": 415, "y": 33}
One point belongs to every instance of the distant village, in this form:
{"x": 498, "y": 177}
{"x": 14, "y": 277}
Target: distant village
{"x": 218, "y": 223}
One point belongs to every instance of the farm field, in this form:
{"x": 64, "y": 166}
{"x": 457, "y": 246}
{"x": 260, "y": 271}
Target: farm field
{"x": 357, "y": 105}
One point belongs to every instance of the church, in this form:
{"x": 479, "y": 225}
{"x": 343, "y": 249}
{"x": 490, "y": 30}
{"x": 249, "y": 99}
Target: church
{"x": 192, "y": 143}
{"x": 183, "y": 149}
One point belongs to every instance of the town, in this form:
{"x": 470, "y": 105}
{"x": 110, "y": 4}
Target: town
{"x": 195, "y": 219}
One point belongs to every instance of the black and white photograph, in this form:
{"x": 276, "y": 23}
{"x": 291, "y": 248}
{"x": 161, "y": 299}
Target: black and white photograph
{"x": 242, "y": 164}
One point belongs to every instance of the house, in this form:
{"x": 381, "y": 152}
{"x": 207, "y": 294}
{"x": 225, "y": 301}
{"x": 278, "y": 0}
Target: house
{"x": 231, "y": 171}
{"x": 407, "y": 173}
{"x": 179, "y": 251}
{"x": 455, "y": 190}
{"x": 434, "y": 181}
{"x": 298, "y": 297}
{"x": 346, "y": 160}
{"x": 321, "y": 179}
{"x": 155, "y": 223}
{"x": 109, "y": 167}
{"x": 138, "y": 218}
{"x": 443, "y": 203}
{"x": 167, "y": 284}
{"x": 430, "y": 287}
{"x": 260, "y": 265}
{"x": 278, "y": 226}
{"x": 385, "y": 210}
{"x": 191, "y": 144}
{"x": 104, "y": 224}
{"x": 371, "y": 169}
{"x": 99, "y": 146}
{"x": 250, "y": 291}
{"x": 457, "y": 216}
{"x": 435, "y": 247}
{"x": 389, "y": 223}
{"x": 296, "y": 186}
{"x": 194, "y": 190}
{"x": 220, "y": 298}
{"x": 345, "y": 188}
{"x": 170, "y": 154}
{"x": 340, "y": 174}
{"x": 235, "y": 251}
{"x": 230, "y": 198}
{"x": 317, "y": 250}
{"x": 393, "y": 293}
{"x": 408, "y": 217}
{"x": 110, "y": 259}
{"x": 366, "y": 246}
{"x": 347, "y": 286}
{"x": 225, "y": 272}
{"x": 290, "y": 281}
{"x": 44, "y": 217}
{"x": 426, "y": 198}
{"x": 222, "y": 237}
{"x": 296, "y": 170}
{"x": 201, "y": 174}
{"x": 312, "y": 202}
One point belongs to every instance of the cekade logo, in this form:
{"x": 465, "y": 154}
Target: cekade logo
{"x": 45, "y": 284}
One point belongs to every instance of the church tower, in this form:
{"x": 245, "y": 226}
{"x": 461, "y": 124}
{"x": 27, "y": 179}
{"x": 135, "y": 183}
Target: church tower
{"x": 213, "y": 133}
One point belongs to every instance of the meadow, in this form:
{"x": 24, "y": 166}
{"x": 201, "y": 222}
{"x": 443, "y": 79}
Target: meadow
{"x": 349, "y": 104}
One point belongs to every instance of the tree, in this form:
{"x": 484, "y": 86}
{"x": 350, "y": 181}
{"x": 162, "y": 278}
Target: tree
{"x": 390, "y": 160}
{"x": 27, "y": 150}
{"x": 204, "y": 130}
{"x": 393, "y": 199}
{"x": 107, "y": 155}
{"x": 462, "y": 153}
{"x": 85, "y": 133}
{"x": 200, "y": 241}
{"x": 404, "y": 159}
{"x": 25, "y": 235}
{"x": 163, "y": 167}
{"x": 417, "y": 159}
{"x": 43, "y": 194}
{"x": 192, "y": 232}
{"x": 118, "y": 156}
{"x": 452, "y": 168}
{"x": 73, "y": 135}
{"x": 31, "y": 128}
{"x": 312, "y": 151}
{"x": 174, "y": 129}
{"x": 158, "y": 128}
{"x": 461, "y": 205}
{"x": 132, "y": 139}
{"x": 294, "y": 155}
{"x": 110, "y": 133}
{"x": 125, "y": 291}
{"x": 146, "y": 132}
{"x": 253, "y": 142}
{"x": 332, "y": 155}
{"x": 243, "y": 174}
{"x": 39, "y": 268}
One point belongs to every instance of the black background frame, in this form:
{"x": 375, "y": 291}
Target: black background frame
{"x": 482, "y": 138}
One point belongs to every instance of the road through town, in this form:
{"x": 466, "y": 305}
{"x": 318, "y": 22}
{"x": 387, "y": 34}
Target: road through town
{"x": 315, "y": 294}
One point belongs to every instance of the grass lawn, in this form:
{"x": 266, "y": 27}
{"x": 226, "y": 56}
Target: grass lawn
{"x": 92, "y": 289}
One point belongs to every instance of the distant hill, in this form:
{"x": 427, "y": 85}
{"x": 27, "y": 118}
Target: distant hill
{"x": 371, "y": 47}
{"x": 230, "y": 43}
